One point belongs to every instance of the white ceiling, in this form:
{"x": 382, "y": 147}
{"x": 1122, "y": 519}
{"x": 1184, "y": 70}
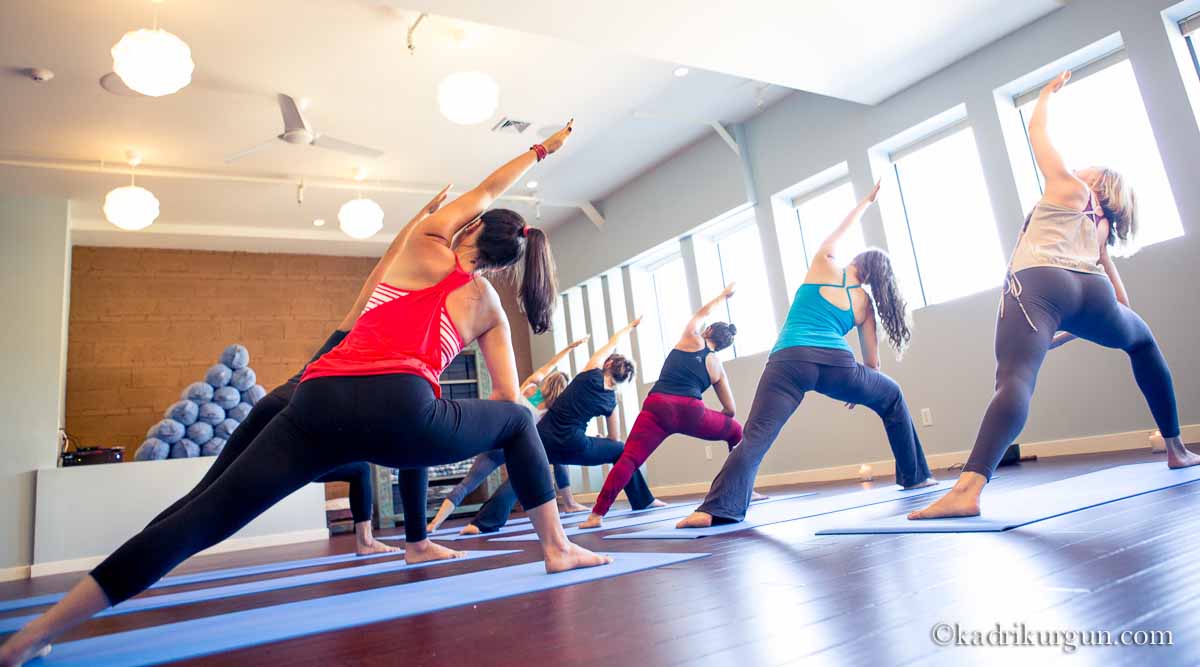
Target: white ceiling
{"x": 349, "y": 57}
{"x": 860, "y": 50}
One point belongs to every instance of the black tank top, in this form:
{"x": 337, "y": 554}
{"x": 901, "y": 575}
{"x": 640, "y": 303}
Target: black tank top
{"x": 684, "y": 374}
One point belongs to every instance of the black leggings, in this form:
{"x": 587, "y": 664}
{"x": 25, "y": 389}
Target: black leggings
{"x": 581, "y": 450}
{"x": 390, "y": 420}
{"x": 1085, "y": 305}
{"x": 780, "y": 390}
{"x": 413, "y": 481}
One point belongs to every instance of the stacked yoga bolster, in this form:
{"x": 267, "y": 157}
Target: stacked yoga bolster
{"x": 357, "y": 474}
{"x": 343, "y": 413}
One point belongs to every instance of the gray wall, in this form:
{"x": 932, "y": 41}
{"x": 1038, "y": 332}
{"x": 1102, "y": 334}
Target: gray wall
{"x": 34, "y": 272}
{"x": 1083, "y": 390}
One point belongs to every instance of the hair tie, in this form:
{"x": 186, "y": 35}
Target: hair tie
{"x": 525, "y": 231}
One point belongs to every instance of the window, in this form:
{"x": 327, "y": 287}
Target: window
{"x": 1191, "y": 33}
{"x": 661, "y": 297}
{"x": 945, "y": 221}
{"x": 1098, "y": 119}
{"x": 627, "y": 397}
{"x": 817, "y": 214}
{"x": 558, "y": 330}
{"x": 730, "y": 252}
{"x": 576, "y": 327}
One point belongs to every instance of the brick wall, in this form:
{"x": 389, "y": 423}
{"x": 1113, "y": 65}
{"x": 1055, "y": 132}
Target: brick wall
{"x": 145, "y": 323}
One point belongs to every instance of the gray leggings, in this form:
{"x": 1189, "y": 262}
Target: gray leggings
{"x": 782, "y": 386}
{"x": 484, "y": 464}
{"x": 1083, "y": 304}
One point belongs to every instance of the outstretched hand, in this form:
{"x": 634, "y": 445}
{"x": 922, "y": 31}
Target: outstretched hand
{"x": 729, "y": 290}
{"x": 581, "y": 341}
{"x": 437, "y": 201}
{"x": 871, "y": 196}
{"x": 634, "y": 323}
{"x": 1057, "y": 83}
{"x": 556, "y": 140}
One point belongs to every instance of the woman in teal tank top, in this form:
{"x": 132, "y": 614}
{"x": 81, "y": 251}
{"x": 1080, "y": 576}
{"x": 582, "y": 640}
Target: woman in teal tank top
{"x": 812, "y": 354}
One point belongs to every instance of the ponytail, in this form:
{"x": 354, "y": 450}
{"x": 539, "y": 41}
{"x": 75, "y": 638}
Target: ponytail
{"x": 875, "y": 269}
{"x": 501, "y": 242}
{"x": 538, "y": 285}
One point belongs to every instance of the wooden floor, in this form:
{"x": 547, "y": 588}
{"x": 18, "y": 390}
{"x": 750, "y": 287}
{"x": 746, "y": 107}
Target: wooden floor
{"x": 781, "y": 596}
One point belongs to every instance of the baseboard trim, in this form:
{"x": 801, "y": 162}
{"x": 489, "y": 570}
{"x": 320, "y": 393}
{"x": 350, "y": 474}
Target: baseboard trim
{"x": 14, "y": 573}
{"x": 234, "y": 544}
{"x": 1091, "y": 444}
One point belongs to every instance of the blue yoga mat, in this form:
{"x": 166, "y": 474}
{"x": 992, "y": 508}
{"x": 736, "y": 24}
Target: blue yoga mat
{"x": 573, "y": 520}
{"x": 518, "y": 521}
{"x": 653, "y": 518}
{"x": 764, "y": 516}
{"x": 1021, "y": 507}
{"x": 209, "y": 575}
{"x": 253, "y": 627}
{"x": 14, "y": 623}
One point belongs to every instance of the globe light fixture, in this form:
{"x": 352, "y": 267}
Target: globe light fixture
{"x": 467, "y": 98}
{"x": 153, "y": 62}
{"x": 360, "y": 218}
{"x": 131, "y": 207}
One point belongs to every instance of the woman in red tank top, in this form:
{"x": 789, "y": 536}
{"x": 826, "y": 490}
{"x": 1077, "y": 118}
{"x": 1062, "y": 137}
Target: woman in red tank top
{"x": 375, "y": 398}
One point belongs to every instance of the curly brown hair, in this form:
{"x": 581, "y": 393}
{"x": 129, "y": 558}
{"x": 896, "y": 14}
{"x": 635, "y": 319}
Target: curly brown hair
{"x": 875, "y": 270}
{"x": 619, "y": 367}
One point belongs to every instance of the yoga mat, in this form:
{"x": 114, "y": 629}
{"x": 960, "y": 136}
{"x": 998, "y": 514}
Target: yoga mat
{"x": 639, "y": 520}
{"x": 764, "y": 516}
{"x": 583, "y": 514}
{"x": 1021, "y": 507}
{"x": 209, "y": 575}
{"x": 574, "y": 519}
{"x": 253, "y": 627}
{"x": 14, "y": 623}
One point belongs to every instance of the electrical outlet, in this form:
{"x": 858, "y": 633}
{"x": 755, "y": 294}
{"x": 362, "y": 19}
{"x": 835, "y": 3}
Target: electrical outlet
{"x": 708, "y": 452}
{"x": 926, "y": 417}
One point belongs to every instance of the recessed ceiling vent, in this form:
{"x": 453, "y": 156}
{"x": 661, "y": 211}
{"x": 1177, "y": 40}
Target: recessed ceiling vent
{"x": 511, "y": 126}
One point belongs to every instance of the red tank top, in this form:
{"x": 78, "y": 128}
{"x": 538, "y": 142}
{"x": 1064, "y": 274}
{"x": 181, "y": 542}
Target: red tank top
{"x": 399, "y": 331}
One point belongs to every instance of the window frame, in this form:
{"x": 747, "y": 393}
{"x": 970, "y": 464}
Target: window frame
{"x": 713, "y": 235}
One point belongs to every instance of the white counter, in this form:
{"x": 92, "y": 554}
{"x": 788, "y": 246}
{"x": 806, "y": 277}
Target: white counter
{"x": 85, "y": 512}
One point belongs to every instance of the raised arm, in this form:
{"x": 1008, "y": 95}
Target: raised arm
{"x": 1062, "y": 187}
{"x": 828, "y": 246}
{"x": 389, "y": 255}
{"x": 603, "y": 351}
{"x": 466, "y": 208}
{"x": 540, "y": 374}
{"x": 695, "y": 325}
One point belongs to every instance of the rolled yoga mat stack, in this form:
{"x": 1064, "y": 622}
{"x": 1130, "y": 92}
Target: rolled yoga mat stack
{"x": 207, "y": 412}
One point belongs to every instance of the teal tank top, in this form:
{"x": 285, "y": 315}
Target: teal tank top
{"x": 537, "y": 399}
{"x": 813, "y": 321}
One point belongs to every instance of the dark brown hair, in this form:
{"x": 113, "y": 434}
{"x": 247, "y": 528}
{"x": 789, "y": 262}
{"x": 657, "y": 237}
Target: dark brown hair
{"x": 501, "y": 243}
{"x": 721, "y": 334}
{"x": 875, "y": 270}
{"x": 619, "y": 367}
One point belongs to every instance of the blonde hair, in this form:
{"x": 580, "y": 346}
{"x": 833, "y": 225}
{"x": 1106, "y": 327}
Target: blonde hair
{"x": 1119, "y": 203}
{"x": 552, "y": 387}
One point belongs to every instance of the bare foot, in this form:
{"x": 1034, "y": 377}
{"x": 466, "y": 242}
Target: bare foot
{"x": 1178, "y": 456}
{"x": 573, "y": 557}
{"x": 374, "y": 547}
{"x": 755, "y": 496}
{"x": 14, "y": 654}
{"x": 443, "y": 513}
{"x": 572, "y": 508}
{"x": 657, "y": 503}
{"x": 428, "y": 550}
{"x": 696, "y": 520}
{"x": 959, "y": 502}
{"x": 470, "y": 529}
{"x": 929, "y": 481}
{"x": 593, "y": 521}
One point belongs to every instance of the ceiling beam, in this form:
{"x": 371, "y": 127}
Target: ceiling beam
{"x": 592, "y": 214}
{"x": 109, "y": 169}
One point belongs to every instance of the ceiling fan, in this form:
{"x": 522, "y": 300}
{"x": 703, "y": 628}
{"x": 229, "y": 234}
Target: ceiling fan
{"x": 296, "y": 130}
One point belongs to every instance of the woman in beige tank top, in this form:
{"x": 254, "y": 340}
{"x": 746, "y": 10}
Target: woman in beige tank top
{"x": 1062, "y": 284}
